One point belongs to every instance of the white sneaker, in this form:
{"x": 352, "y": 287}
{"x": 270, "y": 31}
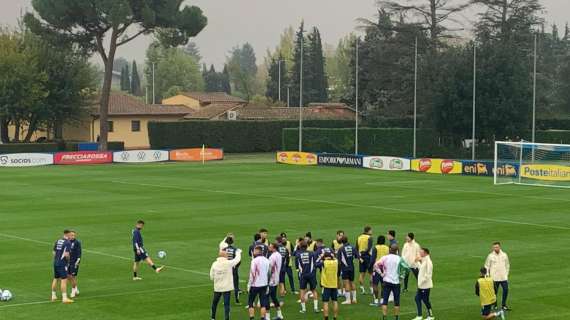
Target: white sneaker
{"x": 347, "y": 302}
{"x": 418, "y": 318}
{"x": 430, "y": 318}
{"x": 72, "y": 295}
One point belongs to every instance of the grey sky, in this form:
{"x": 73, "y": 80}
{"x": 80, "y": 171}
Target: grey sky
{"x": 233, "y": 22}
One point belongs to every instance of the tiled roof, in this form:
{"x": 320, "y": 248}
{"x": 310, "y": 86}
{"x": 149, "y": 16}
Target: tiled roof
{"x": 211, "y": 111}
{"x": 122, "y": 104}
{"x": 313, "y": 112}
{"x": 213, "y": 97}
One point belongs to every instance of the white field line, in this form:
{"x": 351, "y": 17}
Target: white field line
{"x": 472, "y": 191}
{"x": 355, "y": 205}
{"x": 151, "y": 291}
{"x": 101, "y": 254}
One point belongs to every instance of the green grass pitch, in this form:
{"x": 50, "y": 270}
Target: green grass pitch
{"x": 189, "y": 207}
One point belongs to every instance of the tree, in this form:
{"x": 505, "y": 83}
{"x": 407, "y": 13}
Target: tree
{"x": 226, "y": 85}
{"x": 102, "y": 26}
{"x": 299, "y": 54}
{"x": 317, "y": 82}
{"x": 212, "y": 80}
{"x": 119, "y": 64}
{"x": 243, "y": 70}
{"x": 339, "y": 67}
{"x": 136, "y": 88}
{"x": 125, "y": 79}
{"x": 192, "y": 50}
{"x": 272, "y": 87}
{"x": 173, "y": 69}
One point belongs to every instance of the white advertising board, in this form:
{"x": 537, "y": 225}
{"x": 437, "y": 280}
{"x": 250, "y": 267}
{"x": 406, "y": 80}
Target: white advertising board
{"x": 387, "y": 163}
{"x": 140, "y": 156}
{"x": 25, "y": 159}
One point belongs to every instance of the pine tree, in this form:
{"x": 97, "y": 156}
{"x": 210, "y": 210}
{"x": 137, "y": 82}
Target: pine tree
{"x": 135, "y": 81}
{"x": 272, "y": 90}
{"x": 225, "y": 81}
{"x": 317, "y": 82}
{"x": 294, "y": 81}
{"x": 125, "y": 79}
{"x": 211, "y": 80}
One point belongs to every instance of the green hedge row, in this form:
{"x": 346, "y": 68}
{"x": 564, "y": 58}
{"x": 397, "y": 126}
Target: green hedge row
{"x": 232, "y": 136}
{"x": 396, "y": 142}
{"x": 51, "y": 147}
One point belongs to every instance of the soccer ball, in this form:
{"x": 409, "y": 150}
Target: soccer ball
{"x": 162, "y": 254}
{"x": 6, "y": 295}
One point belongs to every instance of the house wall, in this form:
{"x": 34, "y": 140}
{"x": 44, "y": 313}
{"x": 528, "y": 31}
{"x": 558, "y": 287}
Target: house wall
{"x": 182, "y": 100}
{"x": 122, "y": 129}
{"x": 76, "y": 131}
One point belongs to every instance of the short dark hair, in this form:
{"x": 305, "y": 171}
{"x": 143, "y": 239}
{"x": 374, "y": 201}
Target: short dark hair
{"x": 256, "y": 237}
{"x": 279, "y": 239}
{"x": 367, "y": 229}
{"x": 66, "y": 231}
{"x": 140, "y": 222}
{"x": 344, "y": 239}
{"x": 426, "y": 250}
{"x": 483, "y": 271}
{"x": 274, "y": 244}
{"x": 230, "y": 241}
{"x": 309, "y": 234}
{"x": 394, "y": 249}
{"x": 496, "y": 243}
{"x": 262, "y": 230}
{"x": 411, "y": 235}
{"x": 339, "y": 232}
{"x": 392, "y": 233}
{"x": 283, "y": 235}
{"x": 257, "y": 250}
{"x": 319, "y": 240}
{"x": 303, "y": 245}
{"x": 381, "y": 240}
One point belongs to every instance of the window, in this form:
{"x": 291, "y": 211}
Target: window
{"x": 111, "y": 126}
{"x": 135, "y": 126}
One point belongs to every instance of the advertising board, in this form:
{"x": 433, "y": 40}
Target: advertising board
{"x": 297, "y": 158}
{"x": 437, "y": 166}
{"x": 387, "y": 163}
{"x": 487, "y": 168}
{"x": 140, "y": 156}
{"x": 196, "y": 154}
{"x": 25, "y": 159}
{"x": 339, "y": 160}
{"x": 545, "y": 172}
{"x": 83, "y": 157}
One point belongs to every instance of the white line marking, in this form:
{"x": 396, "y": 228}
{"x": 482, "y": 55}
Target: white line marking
{"x": 107, "y": 295}
{"x": 346, "y": 204}
{"x": 102, "y": 254}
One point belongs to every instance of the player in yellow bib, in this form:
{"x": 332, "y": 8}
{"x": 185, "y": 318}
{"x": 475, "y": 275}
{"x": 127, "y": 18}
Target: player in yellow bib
{"x": 485, "y": 289}
{"x": 378, "y": 251}
{"x": 329, "y": 283}
{"x": 364, "y": 248}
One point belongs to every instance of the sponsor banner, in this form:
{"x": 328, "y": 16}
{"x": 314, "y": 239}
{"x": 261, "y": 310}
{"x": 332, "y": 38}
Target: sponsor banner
{"x": 387, "y": 163}
{"x": 439, "y": 166}
{"x": 545, "y": 172}
{"x": 487, "y": 168}
{"x": 298, "y": 158}
{"x": 25, "y": 159}
{"x": 196, "y": 154}
{"x": 339, "y": 160}
{"x": 83, "y": 157}
{"x": 140, "y": 156}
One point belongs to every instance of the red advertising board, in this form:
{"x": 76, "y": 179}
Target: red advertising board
{"x": 83, "y": 157}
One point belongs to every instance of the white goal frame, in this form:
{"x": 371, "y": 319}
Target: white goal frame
{"x": 518, "y": 178}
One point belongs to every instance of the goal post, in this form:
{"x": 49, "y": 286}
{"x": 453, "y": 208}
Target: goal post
{"x": 534, "y": 164}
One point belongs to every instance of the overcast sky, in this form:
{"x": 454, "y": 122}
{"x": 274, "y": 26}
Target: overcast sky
{"x": 233, "y": 22}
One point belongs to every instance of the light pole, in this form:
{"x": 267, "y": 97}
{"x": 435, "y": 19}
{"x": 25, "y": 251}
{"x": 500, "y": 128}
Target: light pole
{"x": 356, "y": 103}
{"x": 153, "y": 92}
{"x": 301, "y": 96}
{"x": 473, "y": 141}
{"x": 534, "y": 94}
{"x": 279, "y": 63}
{"x": 415, "y": 97}
{"x": 288, "y": 95}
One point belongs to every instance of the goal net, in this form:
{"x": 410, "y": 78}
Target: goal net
{"x": 536, "y": 164}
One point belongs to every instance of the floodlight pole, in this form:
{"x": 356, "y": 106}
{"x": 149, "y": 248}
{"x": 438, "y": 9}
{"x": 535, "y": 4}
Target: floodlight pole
{"x": 153, "y": 90}
{"x": 534, "y": 94}
{"x": 473, "y": 141}
{"x": 415, "y": 97}
{"x": 280, "y": 79}
{"x": 356, "y": 101}
{"x": 301, "y": 97}
{"x": 288, "y": 95}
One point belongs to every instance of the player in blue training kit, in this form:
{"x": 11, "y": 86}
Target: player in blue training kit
{"x": 346, "y": 255}
{"x": 306, "y": 262}
{"x": 61, "y": 250}
{"x": 258, "y": 242}
{"x": 140, "y": 252}
{"x": 74, "y": 260}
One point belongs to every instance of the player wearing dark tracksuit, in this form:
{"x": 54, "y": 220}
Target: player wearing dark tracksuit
{"x": 74, "y": 260}
{"x": 307, "y": 266}
{"x": 140, "y": 252}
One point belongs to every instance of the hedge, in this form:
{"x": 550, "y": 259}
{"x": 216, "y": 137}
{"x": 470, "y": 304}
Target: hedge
{"x": 395, "y": 142}
{"x": 51, "y": 147}
{"x": 232, "y": 136}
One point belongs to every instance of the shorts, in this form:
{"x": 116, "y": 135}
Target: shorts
{"x": 282, "y": 275}
{"x": 391, "y": 288}
{"x": 347, "y": 275}
{"x": 365, "y": 264}
{"x": 142, "y": 256}
{"x": 308, "y": 281}
{"x": 376, "y": 279}
{"x": 486, "y": 310}
{"x": 330, "y": 294}
{"x": 255, "y": 292}
{"x": 73, "y": 270}
{"x": 60, "y": 272}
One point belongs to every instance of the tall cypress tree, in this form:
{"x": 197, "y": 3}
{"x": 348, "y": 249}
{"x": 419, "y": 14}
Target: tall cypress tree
{"x": 294, "y": 81}
{"x": 317, "y": 83}
{"x": 272, "y": 90}
{"x": 125, "y": 79}
{"x": 225, "y": 81}
{"x": 135, "y": 81}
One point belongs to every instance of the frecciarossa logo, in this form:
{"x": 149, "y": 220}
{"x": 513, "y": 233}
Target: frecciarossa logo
{"x": 83, "y": 157}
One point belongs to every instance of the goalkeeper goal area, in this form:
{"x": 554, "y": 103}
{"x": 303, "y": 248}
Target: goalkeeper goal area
{"x": 533, "y": 164}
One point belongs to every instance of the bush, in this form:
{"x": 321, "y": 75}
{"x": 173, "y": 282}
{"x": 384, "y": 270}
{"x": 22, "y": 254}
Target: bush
{"x": 30, "y": 147}
{"x": 232, "y": 136}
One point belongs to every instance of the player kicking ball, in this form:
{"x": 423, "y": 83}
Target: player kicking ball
{"x": 140, "y": 252}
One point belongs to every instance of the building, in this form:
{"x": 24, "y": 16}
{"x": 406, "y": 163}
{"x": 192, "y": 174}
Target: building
{"x": 200, "y": 100}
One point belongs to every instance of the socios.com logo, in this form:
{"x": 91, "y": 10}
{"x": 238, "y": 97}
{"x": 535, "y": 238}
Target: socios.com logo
{"x": 3, "y": 160}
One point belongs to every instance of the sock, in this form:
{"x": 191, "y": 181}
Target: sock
{"x": 64, "y": 296}
{"x": 279, "y": 314}
{"x": 371, "y": 291}
{"x": 54, "y": 294}
{"x": 316, "y": 304}
{"x": 303, "y": 307}
{"x": 134, "y": 274}
{"x": 354, "y": 295}
{"x": 153, "y": 266}
{"x": 347, "y": 295}
{"x": 268, "y": 316}
{"x": 362, "y": 288}
{"x": 430, "y": 313}
{"x": 375, "y": 300}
